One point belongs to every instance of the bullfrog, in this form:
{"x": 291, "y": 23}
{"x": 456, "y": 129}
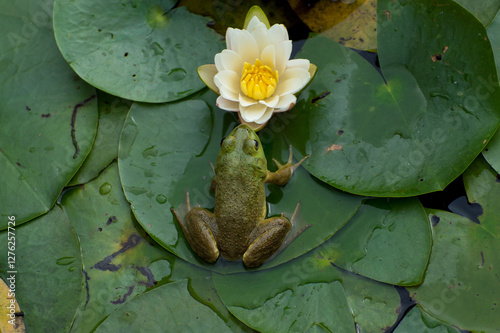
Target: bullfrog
{"x": 238, "y": 226}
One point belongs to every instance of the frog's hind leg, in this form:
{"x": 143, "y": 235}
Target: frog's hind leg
{"x": 265, "y": 240}
{"x": 200, "y": 230}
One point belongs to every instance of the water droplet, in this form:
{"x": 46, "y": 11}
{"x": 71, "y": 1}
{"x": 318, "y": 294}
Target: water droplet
{"x": 150, "y": 152}
{"x": 436, "y": 94}
{"x": 32, "y": 149}
{"x": 71, "y": 269}
{"x": 105, "y": 188}
{"x": 136, "y": 190}
{"x": 148, "y": 173}
{"x": 65, "y": 261}
{"x": 161, "y": 199}
{"x": 176, "y": 74}
{"x": 157, "y": 49}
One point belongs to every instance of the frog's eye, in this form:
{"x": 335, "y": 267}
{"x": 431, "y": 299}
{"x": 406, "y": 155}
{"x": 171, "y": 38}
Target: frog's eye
{"x": 228, "y": 143}
{"x": 251, "y": 146}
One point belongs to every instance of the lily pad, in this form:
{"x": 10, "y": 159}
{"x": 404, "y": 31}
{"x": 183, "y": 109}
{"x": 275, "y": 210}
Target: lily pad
{"x": 117, "y": 256}
{"x": 41, "y": 103}
{"x": 308, "y": 294}
{"x": 417, "y": 128}
{"x": 492, "y": 151}
{"x": 166, "y": 150}
{"x": 143, "y": 51}
{"x": 461, "y": 282}
{"x": 112, "y": 113}
{"x": 389, "y": 240}
{"x": 417, "y": 320}
{"x": 484, "y": 10}
{"x": 48, "y": 284}
{"x": 168, "y": 308}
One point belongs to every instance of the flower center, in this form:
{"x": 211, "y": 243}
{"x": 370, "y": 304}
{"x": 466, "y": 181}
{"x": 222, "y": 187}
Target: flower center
{"x": 258, "y": 81}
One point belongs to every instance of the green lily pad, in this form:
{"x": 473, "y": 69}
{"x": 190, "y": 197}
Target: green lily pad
{"x": 461, "y": 282}
{"x": 169, "y": 308}
{"x": 112, "y": 113}
{"x": 492, "y": 151}
{"x": 144, "y": 51}
{"x": 417, "y": 128}
{"x": 389, "y": 240}
{"x": 166, "y": 150}
{"x": 308, "y": 294}
{"x": 484, "y": 10}
{"x": 117, "y": 255}
{"x": 47, "y": 270}
{"x": 39, "y": 96}
{"x": 417, "y": 320}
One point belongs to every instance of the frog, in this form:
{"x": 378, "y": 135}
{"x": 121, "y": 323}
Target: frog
{"x": 238, "y": 228}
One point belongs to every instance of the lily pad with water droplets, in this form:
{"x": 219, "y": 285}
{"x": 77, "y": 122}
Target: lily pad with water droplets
{"x": 144, "y": 51}
{"x": 44, "y": 258}
{"x": 308, "y": 294}
{"x": 48, "y": 116}
{"x": 415, "y": 129}
{"x": 166, "y": 150}
{"x": 461, "y": 285}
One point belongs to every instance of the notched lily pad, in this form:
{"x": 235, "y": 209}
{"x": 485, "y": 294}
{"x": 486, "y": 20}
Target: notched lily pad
{"x": 48, "y": 117}
{"x": 168, "y": 308}
{"x": 417, "y": 128}
{"x": 117, "y": 255}
{"x": 461, "y": 282}
{"x": 308, "y": 294}
{"x": 389, "y": 240}
{"x": 48, "y": 279}
{"x": 166, "y": 150}
{"x": 144, "y": 51}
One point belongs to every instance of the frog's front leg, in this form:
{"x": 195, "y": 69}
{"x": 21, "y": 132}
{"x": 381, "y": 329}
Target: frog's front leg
{"x": 200, "y": 230}
{"x": 284, "y": 172}
{"x": 265, "y": 240}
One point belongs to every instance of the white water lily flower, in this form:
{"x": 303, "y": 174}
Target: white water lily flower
{"x": 254, "y": 75}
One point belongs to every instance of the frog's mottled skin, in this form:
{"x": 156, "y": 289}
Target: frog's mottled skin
{"x": 238, "y": 227}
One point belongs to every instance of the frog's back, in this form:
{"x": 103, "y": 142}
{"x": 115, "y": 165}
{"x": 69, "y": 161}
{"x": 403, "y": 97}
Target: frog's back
{"x": 240, "y": 205}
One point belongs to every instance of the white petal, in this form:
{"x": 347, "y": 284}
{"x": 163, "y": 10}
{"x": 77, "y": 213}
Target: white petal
{"x": 253, "y": 112}
{"x": 218, "y": 62}
{"x": 265, "y": 117}
{"x": 268, "y": 57}
{"x": 277, "y": 34}
{"x": 229, "y": 80}
{"x": 246, "y": 46}
{"x": 292, "y": 83}
{"x": 228, "y": 94}
{"x": 285, "y": 103}
{"x": 271, "y": 101}
{"x": 283, "y": 52}
{"x": 230, "y": 60}
{"x": 295, "y": 73}
{"x": 254, "y": 22}
{"x": 227, "y": 105}
{"x": 298, "y": 63}
{"x": 260, "y": 35}
{"x": 230, "y": 36}
{"x": 246, "y": 101}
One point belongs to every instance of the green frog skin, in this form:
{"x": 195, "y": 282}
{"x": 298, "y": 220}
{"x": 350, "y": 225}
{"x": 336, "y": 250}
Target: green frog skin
{"x": 238, "y": 226}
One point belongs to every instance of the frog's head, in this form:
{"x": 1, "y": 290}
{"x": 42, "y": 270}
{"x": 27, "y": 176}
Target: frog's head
{"x": 242, "y": 147}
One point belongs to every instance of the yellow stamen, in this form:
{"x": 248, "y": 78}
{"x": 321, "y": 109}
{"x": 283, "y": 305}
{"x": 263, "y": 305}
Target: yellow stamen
{"x": 258, "y": 81}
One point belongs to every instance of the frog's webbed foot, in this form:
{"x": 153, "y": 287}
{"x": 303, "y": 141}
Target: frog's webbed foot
{"x": 199, "y": 230}
{"x": 284, "y": 172}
